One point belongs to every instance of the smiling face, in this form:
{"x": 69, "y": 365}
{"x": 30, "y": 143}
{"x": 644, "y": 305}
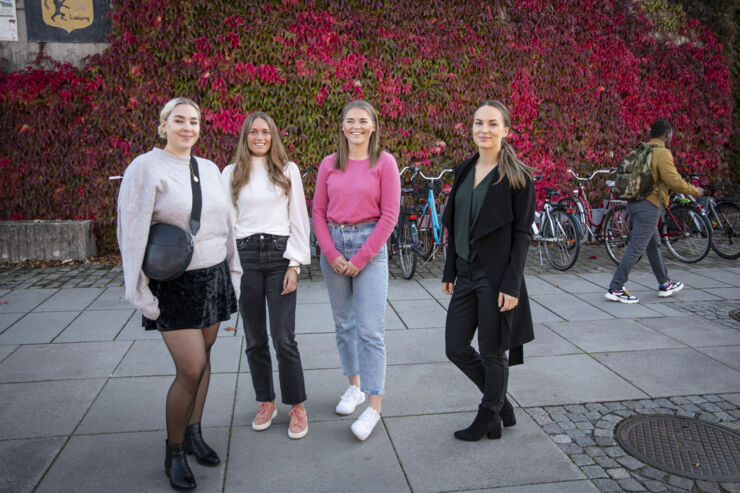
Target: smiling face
{"x": 259, "y": 138}
{"x": 181, "y": 129}
{"x": 488, "y": 128}
{"x": 357, "y": 127}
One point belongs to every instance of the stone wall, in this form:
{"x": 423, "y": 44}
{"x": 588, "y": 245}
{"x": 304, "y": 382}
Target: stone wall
{"x": 46, "y": 240}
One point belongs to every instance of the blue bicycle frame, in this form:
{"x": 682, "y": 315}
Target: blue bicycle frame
{"x": 436, "y": 222}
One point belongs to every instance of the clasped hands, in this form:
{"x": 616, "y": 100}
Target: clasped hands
{"x": 343, "y": 266}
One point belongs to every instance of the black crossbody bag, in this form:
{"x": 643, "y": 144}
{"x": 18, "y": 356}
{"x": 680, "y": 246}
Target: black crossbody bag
{"x": 169, "y": 248}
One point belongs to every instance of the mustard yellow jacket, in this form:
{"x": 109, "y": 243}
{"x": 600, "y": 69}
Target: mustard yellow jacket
{"x": 665, "y": 170}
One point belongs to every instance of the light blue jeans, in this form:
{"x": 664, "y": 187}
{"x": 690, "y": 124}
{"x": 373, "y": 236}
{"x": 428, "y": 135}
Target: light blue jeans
{"x": 358, "y": 305}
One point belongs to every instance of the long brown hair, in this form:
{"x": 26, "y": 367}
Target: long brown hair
{"x": 510, "y": 166}
{"x": 373, "y": 149}
{"x": 276, "y": 158}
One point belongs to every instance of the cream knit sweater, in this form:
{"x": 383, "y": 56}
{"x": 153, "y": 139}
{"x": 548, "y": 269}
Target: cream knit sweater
{"x": 156, "y": 189}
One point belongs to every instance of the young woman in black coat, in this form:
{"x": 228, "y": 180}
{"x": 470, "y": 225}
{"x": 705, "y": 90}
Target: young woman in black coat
{"x": 488, "y": 218}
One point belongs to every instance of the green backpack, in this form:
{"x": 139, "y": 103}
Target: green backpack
{"x": 634, "y": 176}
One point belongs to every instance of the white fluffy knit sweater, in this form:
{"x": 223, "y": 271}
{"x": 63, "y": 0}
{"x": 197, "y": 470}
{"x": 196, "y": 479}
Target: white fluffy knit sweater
{"x": 156, "y": 189}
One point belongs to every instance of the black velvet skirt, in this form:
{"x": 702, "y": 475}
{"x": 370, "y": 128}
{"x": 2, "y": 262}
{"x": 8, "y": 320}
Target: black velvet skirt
{"x": 197, "y": 299}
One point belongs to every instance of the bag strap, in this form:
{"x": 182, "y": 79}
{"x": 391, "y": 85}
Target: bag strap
{"x": 197, "y": 197}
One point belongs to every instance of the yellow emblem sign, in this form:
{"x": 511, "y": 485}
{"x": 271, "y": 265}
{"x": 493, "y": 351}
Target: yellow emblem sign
{"x": 67, "y": 14}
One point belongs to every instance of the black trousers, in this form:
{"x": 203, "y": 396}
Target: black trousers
{"x": 264, "y": 268}
{"x": 474, "y": 304}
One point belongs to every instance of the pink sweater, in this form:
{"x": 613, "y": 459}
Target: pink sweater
{"x": 356, "y": 195}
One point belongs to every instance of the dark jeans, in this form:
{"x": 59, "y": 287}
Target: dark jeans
{"x": 264, "y": 268}
{"x": 644, "y": 238}
{"x": 474, "y": 304}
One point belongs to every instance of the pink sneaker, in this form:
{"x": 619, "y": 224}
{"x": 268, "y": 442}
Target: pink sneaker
{"x": 265, "y": 415}
{"x": 298, "y": 423}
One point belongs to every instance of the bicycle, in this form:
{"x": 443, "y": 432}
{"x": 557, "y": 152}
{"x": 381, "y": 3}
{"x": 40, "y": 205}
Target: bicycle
{"x": 556, "y": 229}
{"x": 404, "y": 236}
{"x": 721, "y": 217}
{"x": 609, "y": 224}
{"x": 432, "y": 235}
{"x": 313, "y": 242}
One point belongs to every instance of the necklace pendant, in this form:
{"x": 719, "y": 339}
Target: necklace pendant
{"x": 195, "y": 179}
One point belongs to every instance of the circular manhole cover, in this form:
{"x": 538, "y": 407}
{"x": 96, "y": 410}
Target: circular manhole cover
{"x": 688, "y": 447}
{"x": 735, "y": 314}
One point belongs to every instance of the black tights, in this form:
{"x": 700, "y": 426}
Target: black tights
{"x": 191, "y": 352}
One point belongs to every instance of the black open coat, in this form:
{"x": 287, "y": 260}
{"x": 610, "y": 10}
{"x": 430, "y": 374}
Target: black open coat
{"x": 501, "y": 237}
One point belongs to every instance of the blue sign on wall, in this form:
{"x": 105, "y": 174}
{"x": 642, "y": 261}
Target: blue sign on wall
{"x": 67, "y": 21}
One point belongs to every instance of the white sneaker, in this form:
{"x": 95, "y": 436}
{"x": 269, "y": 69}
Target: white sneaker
{"x": 365, "y": 423}
{"x": 351, "y": 398}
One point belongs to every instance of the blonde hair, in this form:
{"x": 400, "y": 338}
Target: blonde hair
{"x": 276, "y": 158}
{"x": 510, "y": 166}
{"x": 167, "y": 109}
{"x": 373, "y": 149}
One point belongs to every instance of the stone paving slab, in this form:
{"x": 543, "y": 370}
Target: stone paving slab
{"x": 541, "y": 314}
{"x": 548, "y": 343}
{"x": 8, "y": 319}
{"x": 62, "y": 361}
{"x": 112, "y": 298}
{"x": 69, "y": 300}
{"x": 428, "y": 388}
{"x": 728, "y": 293}
{"x": 570, "y": 307}
{"x": 406, "y": 347}
{"x": 694, "y": 279}
{"x": 138, "y": 404}
{"x": 693, "y": 331}
{"x": 24, "y": 462}
{"x": 24, "y": 300}
{"x": 6, "y": 350}
{"x": 731, "y": 277}
{"x": 98, "y": 325}
{"x": 126, "y": 462}
{"x": 554, "y": 487}
{"x": 729, "y": 355}
{"x": 552, "y": 380}
{"x": 418, "y": 441}
{"x": 408, "y": 290}
{"x": 570, "y": 283}
{"x": 151, "y": 358}
{"x": 36, "y": 328}
{"x": 45, "y": 409}
{"x": 420, "y": 314}
{"x": 134, "y": 331}
{"x": 616, "y": 309}
{"x": 538, "y": 286}
{"x": 612, "y": 335}
{"x": 326, "y": 460}
{"x": 667, "y": 372}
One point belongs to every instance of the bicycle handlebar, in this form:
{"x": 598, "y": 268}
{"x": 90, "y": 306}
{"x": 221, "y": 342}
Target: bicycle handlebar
{"x": 438, "y": 177}
{"x": 593, "y": 175}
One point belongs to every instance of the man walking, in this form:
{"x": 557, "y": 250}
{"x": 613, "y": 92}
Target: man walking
{"x": 645, "y": 213}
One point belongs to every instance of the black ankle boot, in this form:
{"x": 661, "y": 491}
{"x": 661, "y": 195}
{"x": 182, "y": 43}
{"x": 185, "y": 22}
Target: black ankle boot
{"x": 486, "y": 422}
{"x": 176, "y": 468}
{"x": 507, "y": 414}
{"x": 194, "y": 444}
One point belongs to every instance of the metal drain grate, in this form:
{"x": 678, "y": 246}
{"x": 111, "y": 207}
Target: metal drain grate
{"x": 688, "y": 447}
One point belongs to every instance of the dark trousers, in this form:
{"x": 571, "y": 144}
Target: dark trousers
{"x": 474, "y": 304}
{"x": 264, "y": 268}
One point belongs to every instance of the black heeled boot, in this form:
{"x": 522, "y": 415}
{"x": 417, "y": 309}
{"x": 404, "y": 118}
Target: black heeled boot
{"x": 194, "y": 444}
{"x": 176, "y": 468}
{"x": 486, "y": 423}
{"x": 507, "y": 414}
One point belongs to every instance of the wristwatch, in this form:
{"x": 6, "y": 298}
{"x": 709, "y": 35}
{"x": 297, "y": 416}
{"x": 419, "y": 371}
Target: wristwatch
{"x": 296, "y": 268}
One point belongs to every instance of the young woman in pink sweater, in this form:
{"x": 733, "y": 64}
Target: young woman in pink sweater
{"x": 355, "y": 208}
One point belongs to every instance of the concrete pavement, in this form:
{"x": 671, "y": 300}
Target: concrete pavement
{"x": 83, "y": 388}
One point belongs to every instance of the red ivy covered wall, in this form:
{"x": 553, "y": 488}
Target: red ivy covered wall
{"x": 584, "y": 79}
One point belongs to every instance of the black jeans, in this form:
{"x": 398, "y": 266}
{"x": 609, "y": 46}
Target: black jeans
{"x": 474, "y": 304}
{"x": 264, "y": 268}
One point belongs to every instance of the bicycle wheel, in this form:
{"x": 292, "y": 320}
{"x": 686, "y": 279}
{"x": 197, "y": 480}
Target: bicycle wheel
{"x": 424, "y": 245}
{"x": 726, "y": 230}
{"x": 686, "y": 235}
{"x": 406, "y": 254}
{"x": 578, "y": 215}
{"x": 560, "y": 236}
{"x": 617, "y": 232}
